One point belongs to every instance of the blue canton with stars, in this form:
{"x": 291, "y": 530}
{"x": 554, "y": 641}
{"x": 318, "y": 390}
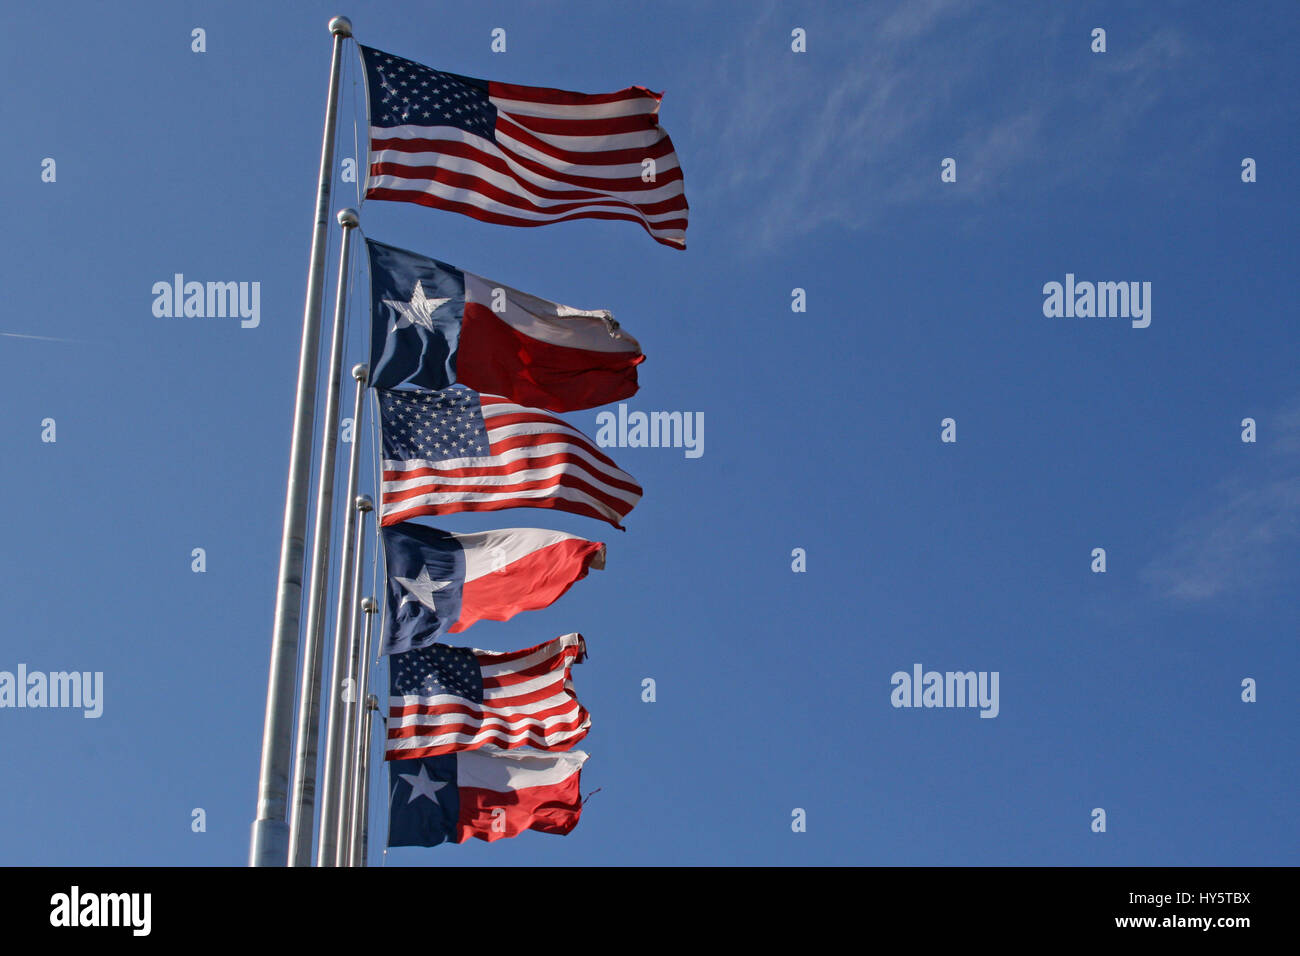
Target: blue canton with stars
{"x": 404, "y": 93}
{"x": 432, "y": 426}
{"x": 436, "y": 669}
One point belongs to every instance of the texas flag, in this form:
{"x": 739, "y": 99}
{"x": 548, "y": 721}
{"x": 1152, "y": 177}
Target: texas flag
{"x": 434, "y": 325}
{"x": 488, "y": 794}
{"x": 440, "y": 583}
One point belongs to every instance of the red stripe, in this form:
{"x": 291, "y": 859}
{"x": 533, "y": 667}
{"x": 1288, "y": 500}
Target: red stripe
{"x": 479, "y": 735}
{"x": 564, "y": 480}
{"x": 580, "y": 467}
{"x": 521, "y": 676}
{"x": 463, "y": 150}
{"x": 495, "y": 357}
{"x": 494, "y": 740}
{"x": 495, "y": 417}
{"x": 446, "y": 704}
{"x": 539, "y": 439}
{"x": 505, "y": 468}
{"x": 487, "y": 658}
{"x": 621, "y": 184}
{"x": 473, "y": 728}
{"x": 633, "y": 155}
{"x": 441, "y": 475}
{"x": 557, "y": 504}
{"x": 482, "y": 215}
{"x": 542, "y": 94}
{"x": 602, "y": 126}
{"x": 536, "y": 580}
{"x": 569, "y": 706}
{"x": 489, "y": 815}
{"x": 476, "y": 184}
{"x": 625, "y": 184}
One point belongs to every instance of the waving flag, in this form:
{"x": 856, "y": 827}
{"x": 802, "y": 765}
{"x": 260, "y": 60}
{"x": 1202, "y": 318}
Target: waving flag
{"x": 441, "y": 583}
{"x": 435, "y": 325}
{"x": 520, "y": 155}
{"x": 455, "y": 450}
{"x": 484, "y": 794}
{"x": 447, "y": 699}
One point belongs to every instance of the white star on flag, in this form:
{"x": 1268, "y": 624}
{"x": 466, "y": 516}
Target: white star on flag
{"x": 419, "y": 311}
{"x": 421, "y": 589}
{"x": 422, "y": 785}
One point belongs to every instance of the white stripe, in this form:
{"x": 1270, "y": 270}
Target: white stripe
{"x": 435, "y": 740}
{"x": 547, "y": 321}
{"x": 503, "y": 716}
{"x": 523, "y": 181}
{"x": 589, "y": 464}
{"x": 497, "y": 147}
{"x": 473, "y": 197}
{"x": 645, "y": 103}
{"x": 490, "y": 482}
{"x": 489, "y": 551}
{"x": 552, "y": 440}
{"x": 541, "y": 424}
{"x": 599, "y": 143}
{"x": 390, "y": 508}
{"x": 553, "y": 678}
{"x": 494, "y": 483}
{"x": 572, "y": 167}
{"x": 510, "y": 770}
{"x": 568, "y": 644}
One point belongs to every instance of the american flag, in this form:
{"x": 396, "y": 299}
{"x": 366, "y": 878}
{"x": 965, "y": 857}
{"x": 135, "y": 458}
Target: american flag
{"x": 447, "y": 699}
{"x": 456, "y": 450}
{"x": 520, "y": 155}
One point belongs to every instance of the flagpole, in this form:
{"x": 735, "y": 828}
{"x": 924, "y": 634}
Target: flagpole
{"x": 361, "y": 741}
{"x": 360, "y": 835}
{"x": 302, "y": 810}
{"x": 354, "y": 698}
{"x": 333, "y": 796}
{"x": 268, "y": 845}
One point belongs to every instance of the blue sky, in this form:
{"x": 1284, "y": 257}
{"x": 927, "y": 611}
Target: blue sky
{"x": 818, "y": 171}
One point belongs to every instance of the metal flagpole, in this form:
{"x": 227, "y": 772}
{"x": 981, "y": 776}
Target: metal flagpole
{"x": 360, "y": 840}
{"x": 352, "y": 700}
{"x": 361, "y": 742}
{"x": 333, "y": 796}
{"x": 269, "y": 843}
{"x": 302, "y": 810}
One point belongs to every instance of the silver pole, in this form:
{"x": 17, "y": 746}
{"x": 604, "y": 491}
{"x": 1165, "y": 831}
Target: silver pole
{"x": 360, "y": 741}
{"x": 352, "y": 699}
{"x": 302, "y": 810}
{"x": 269, "y": 845}
{"x": 361, "y": 812}
{"x": 333, "y": 796}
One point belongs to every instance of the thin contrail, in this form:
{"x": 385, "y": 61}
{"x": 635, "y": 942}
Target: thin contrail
{"x": 44, "y": 338}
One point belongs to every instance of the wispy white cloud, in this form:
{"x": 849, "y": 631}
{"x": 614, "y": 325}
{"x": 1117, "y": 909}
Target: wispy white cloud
{"x": 43, "y": 338}
{"x": 886, "y": 90}
{"x": 1245, "y": 539}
